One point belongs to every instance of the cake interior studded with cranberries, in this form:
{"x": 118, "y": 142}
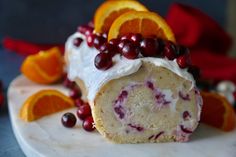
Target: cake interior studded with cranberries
{"x": 151, "y": 105}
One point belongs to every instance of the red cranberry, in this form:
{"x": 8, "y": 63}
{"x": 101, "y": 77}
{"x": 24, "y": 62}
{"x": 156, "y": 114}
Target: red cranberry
{"x": 130, "y": 51}
{"x": 186, "y": 115}
{"x": 150, "y": 85}
{"x": 136, "y": 38}
{"x": 126, "y": 37}
{"x": 79, "y": 102}
{"x": 85, "y": 29}
{"x": 170, "y": 50}
{"x": 108, "y": 48}
{"x": 149, "y": 47}
{"x": 84, "y": 111}
{"x": 75, "y": 93}
{"x": 68, "y": 120}
{"x": 122, "y": 43}
{"x": 90, "y": 39}
{"x": 77, "y": 41}
{"x": 98, "y": 41}
{"x": 195, "y": 71}
{"x": 103, "y": 61}
{"x": 68, "y": 83}
{"x": 88, "y": 124}
{"x": 114, "y": 42}
{"x": 183, "y": 61}
{"x": 104, "y": 35}
{"x": 138, "y": 128}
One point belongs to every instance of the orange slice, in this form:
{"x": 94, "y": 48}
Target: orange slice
{"x": 217, "y": 111}
{"x": 44, "y": 67}
{"x": 110, "y": 10}
{"x": 145, "y": 23}
{"x": 44, "y": 102}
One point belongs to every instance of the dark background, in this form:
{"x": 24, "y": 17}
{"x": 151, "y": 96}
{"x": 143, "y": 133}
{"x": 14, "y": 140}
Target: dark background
{"x": 52, "y": 21}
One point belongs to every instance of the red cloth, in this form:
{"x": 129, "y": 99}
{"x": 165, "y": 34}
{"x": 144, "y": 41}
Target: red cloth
{"x": 208, "y": 42}
{"x": 214, "y": 66}
{"x": 27, "y": 48}
{"x": 195, "y": 29}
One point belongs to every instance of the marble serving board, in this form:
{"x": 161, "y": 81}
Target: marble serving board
{"x": 47, "y": 137}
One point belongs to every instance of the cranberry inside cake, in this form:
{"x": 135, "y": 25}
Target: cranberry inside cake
{"x": 152, "y": 105}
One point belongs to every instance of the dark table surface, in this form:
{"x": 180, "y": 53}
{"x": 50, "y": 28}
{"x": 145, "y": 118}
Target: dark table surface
{"x": 9, "y": 69}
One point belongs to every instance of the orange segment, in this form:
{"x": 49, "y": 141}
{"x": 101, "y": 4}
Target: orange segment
{"x": 217, "y": 111}
{"x": 110, "y": 10}
{"x": 45, "y": 67}
{"x": 44, "y": 103}
{"x": 146, "y": 23}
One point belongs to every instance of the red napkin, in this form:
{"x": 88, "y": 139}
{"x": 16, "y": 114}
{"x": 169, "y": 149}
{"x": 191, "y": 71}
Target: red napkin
{"x": 208, "y": 42}
{"x": 27, "y": 48}
{"x": 214, "y": 66}
{"x": 197, "y": 30}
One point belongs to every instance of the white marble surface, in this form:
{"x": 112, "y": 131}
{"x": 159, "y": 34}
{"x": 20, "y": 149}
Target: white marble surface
{"x": 48, "y": 138}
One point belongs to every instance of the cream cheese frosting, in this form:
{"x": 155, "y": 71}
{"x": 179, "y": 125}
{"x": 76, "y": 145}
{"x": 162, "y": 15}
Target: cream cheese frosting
{"x": 81, "y": 65}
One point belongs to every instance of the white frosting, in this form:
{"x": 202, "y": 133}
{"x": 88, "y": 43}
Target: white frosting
{"x": 81, "y": 65}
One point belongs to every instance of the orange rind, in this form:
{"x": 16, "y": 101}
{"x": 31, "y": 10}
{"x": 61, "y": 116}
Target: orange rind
{"x": 148, "y": 24}
{"x": 44, "y": 102}
{"x": 45, "y": 67}
{"x": 110, "y": 10}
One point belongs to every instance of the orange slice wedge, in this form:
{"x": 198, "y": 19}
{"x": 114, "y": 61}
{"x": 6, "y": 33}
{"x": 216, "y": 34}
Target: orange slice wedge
{"x": 44, "y": 67}
{"x": 217, "y": 111}
{"x": 44, "y": 102}
{"x": 145, "y": 23}
{"x": 110, "y": 10}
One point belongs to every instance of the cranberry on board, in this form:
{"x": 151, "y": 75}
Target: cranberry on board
{"x": 84, "y": 111}
{"x": 68, "y": 120}
{"x": 68, "y": 83}
{"x": 75, "y": 93}
{"x": 79, "y": 102}
{"x": 103, "y": 61}
{"x": 88, "y": 124}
